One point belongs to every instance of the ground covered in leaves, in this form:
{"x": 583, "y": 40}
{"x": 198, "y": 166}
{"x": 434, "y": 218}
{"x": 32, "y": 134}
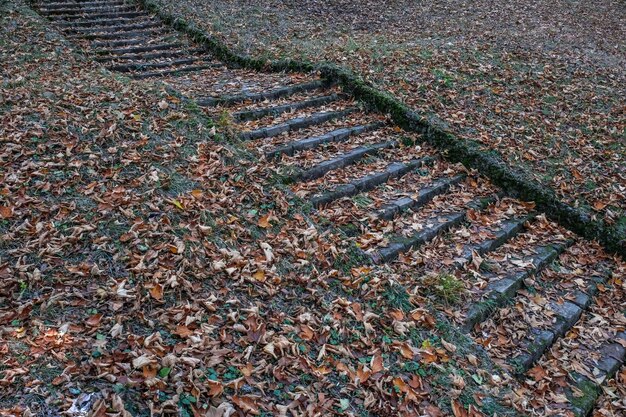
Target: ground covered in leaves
{"x": 541, "y": 82}
{"x": 149, "y": 266}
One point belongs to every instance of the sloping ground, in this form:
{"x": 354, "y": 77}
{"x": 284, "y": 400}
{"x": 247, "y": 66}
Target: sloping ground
{"x": 540, "y": 82}
{"x": 322, "y": 264}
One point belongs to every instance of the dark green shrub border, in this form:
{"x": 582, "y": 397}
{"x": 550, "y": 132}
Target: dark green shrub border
{"x": 468, "y": 152}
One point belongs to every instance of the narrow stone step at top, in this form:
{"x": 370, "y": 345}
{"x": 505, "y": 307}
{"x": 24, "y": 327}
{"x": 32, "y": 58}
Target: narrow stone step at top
{"x": 369, "y": 182}
{"x": 139, "y": 49}
{"x": 144, "y": 33}
{"x": 437, "y": 225}
{"x": 174, "y": 71}
{"x": 143, "y": 66}
{"x": 296, "y": 124}
{"x": 507, "y": 231}
{"x": 612, "y": 358}
{"x": 76, "y": 5}
{"x": 248, "y": 115}
{"x": 118, "y": 28}
{"x": 94, "y": 16}
{"x": 566, "y": 315}
{"x": 138, "y": 17}
{"x": 500, "y": 291}
{"x": 148, "y": 56}
{"x": 88, "y": 10}
{"x": 342, "y": 161}
{"x": 337, "y": 135}
{"x": 390, "y": 210}
{"x": 265, "y": 95}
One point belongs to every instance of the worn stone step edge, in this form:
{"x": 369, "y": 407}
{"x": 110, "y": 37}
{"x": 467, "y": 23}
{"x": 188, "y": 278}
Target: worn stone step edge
{"x": 138, "y": 58}
{"x": 116, "y": 28}
{"x": 614, "y": 357}
{"x": 338, "y": 135}
{"x": 441, "y": 186}
{"x": 508, "y": 230}
{"x": 501, "y": 291}
{"x": 370, "y": 181}
{"x": 94, "y": 16}
{"x": 399, "y": 245}
{"x": 157, "y": 31}
{"x": 265, "y": 95}
{"x": 566, "y": 315}
{"x": 341, "y": 161}
{"x": 142, "y": 66}
{"x": 87, "y": 11}
{"x": 71, "y": 5}
{"x": 296, "y": 124}
{"x": 137, "y": 49}
{"x": 140, "y": 17}
{"x": 154, "y": 74}
{"x": 248, "y": 115}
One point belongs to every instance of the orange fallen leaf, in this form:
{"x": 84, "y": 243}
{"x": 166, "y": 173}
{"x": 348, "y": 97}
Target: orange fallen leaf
{"x": 6, "y": 212}
{"x": 157, "y": 292}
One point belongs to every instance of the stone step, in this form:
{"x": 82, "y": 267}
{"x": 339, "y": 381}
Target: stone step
{"x": 143, "y": 66}
{"x": 114, "y": 53}
{"x": 174, "y": 71}
{"x": 338, "y": 135}
{"x": 265, "y": 95}
{"x": 342, "y": 161}
{"x": 95, "y": 16}
{"x": 437, "y": 225}
{"x": 248, "y": 115}
{"x": 148, "y": 56}
{"x": 370, "y": 181}
{"x": 124, "y": 28}
{"x": 143, "y": 33}
{"x": 612, "y": 356}
{"x": 88, "y": 10}
{"x": 139, "y": 18}
{"x": 77, "y": 5}
{"x": 296, "y": 124}
{"x": 392, "y": 209}
{"x": 501, "y": 291}
{"x": 507, "y": 231}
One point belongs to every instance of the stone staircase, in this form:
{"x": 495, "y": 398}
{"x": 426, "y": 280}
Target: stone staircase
{"x": 530, "y": 293}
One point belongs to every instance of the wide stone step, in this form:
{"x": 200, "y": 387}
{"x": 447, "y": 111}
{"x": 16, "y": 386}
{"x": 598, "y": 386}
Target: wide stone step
{"x": 117, "y": 29}
{"x": 507, "y": 231}
{"x": 338, "y": 135}
{"x": 119, "y": 43}
{"x": 88, "y": 10}
{"x": 143, "y": 66}
{"x": 114, "y": 53}
{"x": 95, "y": 16}
{"x": 88, "y": 23}
{"x": 82, "y": 11}
{"x": 142, "y": 33}
{"x": 248, "y": 115}
{"x": 392, "y": 209}
{"x": 174, "y": 71}
{"x": 296, "y": 124}
{"x": 369, "y": 182}
{"x": 264, "y": 95}
{"x": 148, "y": 56}
{"x": 342, "y": 161}
{"x": 501, "y": 291}
{"x": 435, "y": 226}
{"x": 76, "y": 5}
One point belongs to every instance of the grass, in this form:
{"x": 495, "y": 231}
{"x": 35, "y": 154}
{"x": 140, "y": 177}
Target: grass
{"x": 445, "y": 287}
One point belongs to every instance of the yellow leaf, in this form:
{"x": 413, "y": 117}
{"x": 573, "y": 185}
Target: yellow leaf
{"x": 259, "y": 275}
{"x": 177, "y": 204}
{"x": 264, "y": 221}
